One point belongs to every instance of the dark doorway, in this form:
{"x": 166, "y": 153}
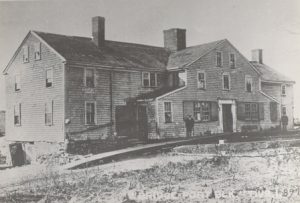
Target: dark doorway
{"x": 17, "y": 154}
{"x": 131, "y": 121}
{"x": 227, "y": 118}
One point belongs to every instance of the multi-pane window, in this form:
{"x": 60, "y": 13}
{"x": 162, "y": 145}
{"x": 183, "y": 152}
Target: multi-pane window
{"x": 202, "y": 111}
{"x": 49, "y": 77}
{"x": 168, "y": 112}
{"x": 251, "y": 111}
{"x": 49, "y": 113}
{"x": 90, "y": 113}
{"x": 226, "y": 81}
{"x": 283, "y": 90}
{"x": 25, "y": 54}
{"x": 218, "y": 59}
{"x": 89, "y": 78}
{"x": 17, "y": 114}
{"x": 232, "y": 60}
{"x": 149, "y": 79}
{"x": 17, "y": 82}
{"x": 201, "y": 80}
{"x": 248, "y": 83}
{"x": 37, "y": 51}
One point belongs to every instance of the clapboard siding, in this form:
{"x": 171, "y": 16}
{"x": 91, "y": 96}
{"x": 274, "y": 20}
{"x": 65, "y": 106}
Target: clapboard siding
{"x": 124, "y": 85}
{"x": 213, "y": 92}
{"x": 274, "y": 90}
{"x": 33, "y": 96}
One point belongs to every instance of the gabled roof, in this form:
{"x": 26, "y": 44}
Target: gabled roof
{"x": 269, "y": 74}
{"x": 191, "y": 54}
{"x": 117, "y": 54}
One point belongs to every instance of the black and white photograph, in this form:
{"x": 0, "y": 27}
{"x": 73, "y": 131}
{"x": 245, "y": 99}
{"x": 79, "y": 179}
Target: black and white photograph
{"x": 149, "y": 101}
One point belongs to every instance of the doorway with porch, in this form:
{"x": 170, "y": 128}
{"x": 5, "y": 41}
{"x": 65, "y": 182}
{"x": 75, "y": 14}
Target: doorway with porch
{"x": 227, "y": 115}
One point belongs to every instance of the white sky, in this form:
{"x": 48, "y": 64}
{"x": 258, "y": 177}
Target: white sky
{"x": 273, "y": 25}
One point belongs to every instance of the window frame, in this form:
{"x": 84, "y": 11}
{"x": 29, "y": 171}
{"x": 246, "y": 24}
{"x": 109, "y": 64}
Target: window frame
{"x": 25, "y": 54}
{"x": 223, "y": 81}
{"x": 17, "y": 84}
{"x": 47, "y": 105}
{"x": 171, "y": 111}
{"x": 37, "y": 49}
{"x": 283, "y": 110}
{"x": 201, "y": 111}
{"x": 283, "y": 87}
{"x": 221, "y": 59}
{"x": 246, "y": 79}
{"x": 19, "y": 115}
{"x": 149, "y": 79}
{"x": 253, "y": 115}
{"x": 204, "y": 78}
{"x": 85, "y": 77}
{"x": 46, "y": 77}
{"x": 232, "y": 64}
{"x": 95, "y": 112}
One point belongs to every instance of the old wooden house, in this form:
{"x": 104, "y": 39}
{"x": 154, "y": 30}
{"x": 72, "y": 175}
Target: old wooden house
{"x": 66, "y": 87}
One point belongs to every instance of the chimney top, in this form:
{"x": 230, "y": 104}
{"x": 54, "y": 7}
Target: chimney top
{"x": 98, "y": 31}
{"x": 175, "y": 39}
{"x": 257, "y": 55}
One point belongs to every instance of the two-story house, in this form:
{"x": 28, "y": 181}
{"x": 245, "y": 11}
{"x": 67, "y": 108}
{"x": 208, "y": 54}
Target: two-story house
{"x": 66, "y": 87}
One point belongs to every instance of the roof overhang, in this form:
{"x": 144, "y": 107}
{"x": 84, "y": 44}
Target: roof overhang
{"x": 277, "y": 82}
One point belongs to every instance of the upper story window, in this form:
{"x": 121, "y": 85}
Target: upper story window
{"x": 49, "y": 113}
{"x": 49, "y": 77}
{"x": 201, "y": 80}
{"x": 37, "y": 51}
{"x": 25, "y": 54}
{"x": 149, "y": 79}
{"x": 248, "y": 83}
{"x": 168, "y": 112}
{"x": 17, "y": 114}
{"x": 232, "y": 60}
{"x": 218, "y": 59}
{"x": 226, "y": 81}
{"x": 182, "y": 78}
{"x": 17, "y": 82}
{"x": 90, "y": 113}
{"x": 283, "y": 90}
{"x": 89, "y": 78}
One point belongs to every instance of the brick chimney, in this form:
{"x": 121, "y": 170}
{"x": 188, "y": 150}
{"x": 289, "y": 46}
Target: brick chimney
{"x": 174, "y": 39}
{"x": 98, "y": 31}
{"x": 257, "y": 55}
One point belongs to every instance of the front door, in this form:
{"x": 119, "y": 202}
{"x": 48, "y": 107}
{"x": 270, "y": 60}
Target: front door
{"x": 227, "y": 118}
{"x": 142, "y": 123}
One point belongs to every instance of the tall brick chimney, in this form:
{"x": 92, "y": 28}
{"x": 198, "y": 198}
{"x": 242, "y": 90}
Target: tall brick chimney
{"x": 98, "y": 31}
{"x": 257, "y": 55}
{"x": 174, "y": 39}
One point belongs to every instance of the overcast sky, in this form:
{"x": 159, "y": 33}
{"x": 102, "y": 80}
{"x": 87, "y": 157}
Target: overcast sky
{"x": 273, "y": 25}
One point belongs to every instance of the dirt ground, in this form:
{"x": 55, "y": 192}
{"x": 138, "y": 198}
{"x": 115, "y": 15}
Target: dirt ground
{"x": 199, "y": 173}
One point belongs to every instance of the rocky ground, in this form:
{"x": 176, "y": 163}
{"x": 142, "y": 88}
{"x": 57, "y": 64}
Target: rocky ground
{"x": 239, "y": 172}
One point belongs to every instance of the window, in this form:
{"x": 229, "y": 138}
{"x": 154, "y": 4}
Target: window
{"x": 17, "y": 114}
{"x": 219, "y": 59}
{"x": 201, "y": 80}
{"x": 283, "y": 90}
{"x": 49, "y": 113}
{"x": 202, "y": 111}
{"x": 149, "y": 79}
{"x": 25, "y": 54}
{"x": 168, "y": 112}
{"x": 90, "y": 113}
{"x": 182, "y": 78}
{"x": 226, "y": 81}
{"x": 89, "y": 78}
{"x": 283, "y": 110}
{"x": 251, "y": 111}
{"x": 248, "y": 83}
{"x": 232, "y": 60}
{"x": 37, "y": 51}
{"x": 49, "y": 77}
{"x": 17, "y": 83}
